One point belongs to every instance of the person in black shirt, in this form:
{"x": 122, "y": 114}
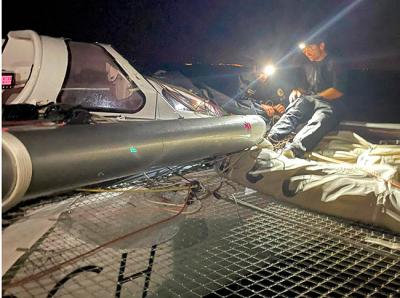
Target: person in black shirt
{"x": 316, "y": 103}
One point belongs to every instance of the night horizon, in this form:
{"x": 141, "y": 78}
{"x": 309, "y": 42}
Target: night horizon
{"x": 368, "y": 37}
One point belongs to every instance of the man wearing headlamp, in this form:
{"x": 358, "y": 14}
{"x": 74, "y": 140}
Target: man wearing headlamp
{"x": 317, "y": 102}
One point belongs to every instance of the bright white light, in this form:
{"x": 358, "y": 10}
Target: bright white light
{"x": 302, "y": 46}
{"x": 269, "y": 70}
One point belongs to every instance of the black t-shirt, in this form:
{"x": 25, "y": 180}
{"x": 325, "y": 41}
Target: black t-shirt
{"x": 321, "y": 75}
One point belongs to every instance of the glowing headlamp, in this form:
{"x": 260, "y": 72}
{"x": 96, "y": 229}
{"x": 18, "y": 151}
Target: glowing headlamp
{"x": 269, "y": 70}
{"x": 302, "y": 46}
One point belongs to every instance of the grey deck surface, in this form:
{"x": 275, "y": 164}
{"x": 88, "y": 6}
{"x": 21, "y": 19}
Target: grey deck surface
{"x": 219, "y": 248}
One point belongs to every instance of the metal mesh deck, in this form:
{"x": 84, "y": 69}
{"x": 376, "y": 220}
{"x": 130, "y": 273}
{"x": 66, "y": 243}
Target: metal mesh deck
{"x": 221, "y": 248}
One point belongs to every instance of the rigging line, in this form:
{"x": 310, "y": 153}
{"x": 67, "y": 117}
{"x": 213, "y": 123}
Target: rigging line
{"x": 94, "y": 250}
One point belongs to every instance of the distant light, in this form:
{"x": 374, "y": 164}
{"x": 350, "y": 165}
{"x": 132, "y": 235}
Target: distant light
{"x": 269, "y": 70}
{"x": 302, "y": 46}
{"x": 235, "y": 64}
{"x": 133, "y": 149}
{"x": 188, "y": 64}
{"x": 229, "y": 64}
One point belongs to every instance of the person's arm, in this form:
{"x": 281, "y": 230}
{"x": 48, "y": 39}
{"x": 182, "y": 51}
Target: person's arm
{"x": 338, "y": 83}
{"x": 330, "y": 93}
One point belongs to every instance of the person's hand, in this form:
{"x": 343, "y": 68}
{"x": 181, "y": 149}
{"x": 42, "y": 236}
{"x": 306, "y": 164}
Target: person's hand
{"x": 269, "y": 110}
{"x": 279, "y": 108}
{"x": 294, "y": 95}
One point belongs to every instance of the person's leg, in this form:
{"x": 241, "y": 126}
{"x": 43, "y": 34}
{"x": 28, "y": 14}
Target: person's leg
{"x": 296, "y": 113}
{"x": 322, "y": 122}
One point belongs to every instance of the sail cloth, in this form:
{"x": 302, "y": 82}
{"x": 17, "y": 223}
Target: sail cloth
{"x": 346, "y": 176}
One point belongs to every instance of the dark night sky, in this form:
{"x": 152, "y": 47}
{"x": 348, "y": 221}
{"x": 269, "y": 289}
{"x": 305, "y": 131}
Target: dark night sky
{"x": 211, "y": 31}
